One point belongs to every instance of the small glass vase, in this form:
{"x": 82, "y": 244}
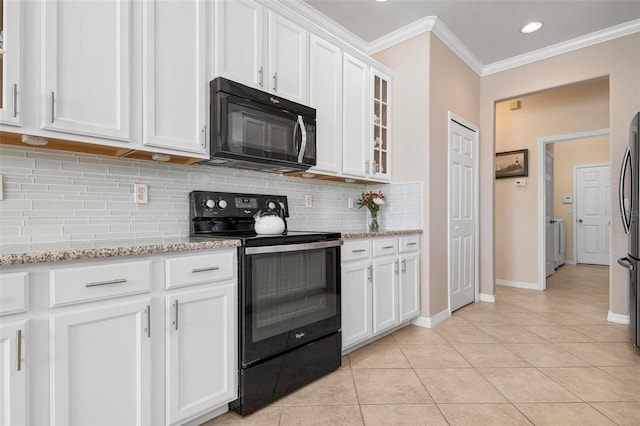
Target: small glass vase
{"x": 373, "y": 223}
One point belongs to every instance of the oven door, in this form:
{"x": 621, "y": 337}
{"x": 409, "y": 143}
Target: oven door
{"x": 290, "y": 295}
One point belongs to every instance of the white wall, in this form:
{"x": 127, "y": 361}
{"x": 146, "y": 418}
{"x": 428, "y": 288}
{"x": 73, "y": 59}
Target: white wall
{"x": 56, "y": 196}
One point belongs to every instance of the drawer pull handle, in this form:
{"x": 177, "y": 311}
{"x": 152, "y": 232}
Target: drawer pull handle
{"x": 19, "y": 349}
{"x": 387, "y": 247}
{"x": 359, "y": 251}
{"x": 99, "y": 283}
{"x": 411, "y": 244}
{"x": 212, "y": 268}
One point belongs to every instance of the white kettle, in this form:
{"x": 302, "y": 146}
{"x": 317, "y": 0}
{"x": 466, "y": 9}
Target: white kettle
{"x": 268, "y": 223}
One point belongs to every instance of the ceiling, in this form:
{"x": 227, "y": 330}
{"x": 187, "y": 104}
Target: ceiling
{"x": 489, "y": 29}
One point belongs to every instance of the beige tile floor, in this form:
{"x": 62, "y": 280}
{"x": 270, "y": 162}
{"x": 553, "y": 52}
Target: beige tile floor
{"x": 531, "y": 358}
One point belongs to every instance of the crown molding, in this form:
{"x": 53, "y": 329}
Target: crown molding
{"x": 453, "y": 42}
{"x": 401, "y": 34}
{"x": 564, "y": 47}
{"x": 322, "y": 22}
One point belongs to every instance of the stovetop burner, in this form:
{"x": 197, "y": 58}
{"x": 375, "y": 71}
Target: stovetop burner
{"x": 230, "y": 215}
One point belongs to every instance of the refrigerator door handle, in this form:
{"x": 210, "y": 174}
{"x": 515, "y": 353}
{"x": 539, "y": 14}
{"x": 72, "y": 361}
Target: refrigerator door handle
{"x": 626, "y": 220}
{"x": 625, "y": 262}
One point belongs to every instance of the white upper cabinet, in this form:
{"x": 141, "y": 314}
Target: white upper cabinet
{"x": 11, "y": 62}
{"x": 356, "y": 122}
{"x": 86, "y": 67}
{"x": 240, "y": 42}
{"x": 261, "y": 49}
{"x": 174, "y": 78}
{"x": 325, "y": 95}
{"x": 288, "y": 59}
{"x": 381, "y": 125}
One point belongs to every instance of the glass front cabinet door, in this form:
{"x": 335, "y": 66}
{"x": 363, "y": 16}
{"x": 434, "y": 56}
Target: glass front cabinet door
{"x": 381, "y": 91}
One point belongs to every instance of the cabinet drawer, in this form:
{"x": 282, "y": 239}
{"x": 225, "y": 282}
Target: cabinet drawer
{"x": 353, "y": 250}
{"x": 385, "y": 246}
{"x": 192, "y": 270}
{"x": 82, "y": 284}
{"x": 409, "y": 243}
{"x": 13, "y": 293}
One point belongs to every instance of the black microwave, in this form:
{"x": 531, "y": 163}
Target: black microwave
{"x": 252, "y": 129}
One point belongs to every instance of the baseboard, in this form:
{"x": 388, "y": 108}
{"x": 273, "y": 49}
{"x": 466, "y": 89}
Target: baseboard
{"x": 430, "y": 322}
{"x": 617, "y": 318}
{"x": 569, "y": 262}
{"x": 490, "y": 298}
{"x": 518, "y": 284}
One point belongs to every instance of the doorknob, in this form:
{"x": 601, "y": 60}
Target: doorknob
{"x": 579, "y": 220}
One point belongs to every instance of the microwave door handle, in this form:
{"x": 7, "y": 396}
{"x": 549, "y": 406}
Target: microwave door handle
{"x": 303, "y": 144}
{"x": 296, "y": 148}
{"x": 626, "y": 161}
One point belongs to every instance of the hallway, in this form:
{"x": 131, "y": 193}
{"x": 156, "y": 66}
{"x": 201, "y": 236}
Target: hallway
{"x": 531, "y": 358}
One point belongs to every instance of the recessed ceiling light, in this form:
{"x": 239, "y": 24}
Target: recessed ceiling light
{"x": 531, "y": 27}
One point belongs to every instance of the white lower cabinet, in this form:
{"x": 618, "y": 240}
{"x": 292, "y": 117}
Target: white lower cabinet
{"x": 380, "y": 286}
{"x": 356, "y": 302}
{"x": 201, "y": 350}
{"x": 408, "y": 287}
{"x": 13, "y": 373}
{"x": 144, "y": 340}
{"x": 385, "y": 293}
{"x": 101, "y": 365}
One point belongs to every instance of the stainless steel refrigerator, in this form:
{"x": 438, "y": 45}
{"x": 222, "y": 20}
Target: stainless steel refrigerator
{"x": 629, "y": 198}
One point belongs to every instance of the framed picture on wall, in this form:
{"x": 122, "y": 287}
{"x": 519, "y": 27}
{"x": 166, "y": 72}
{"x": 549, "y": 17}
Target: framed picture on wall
{"x": 512, "y": 164}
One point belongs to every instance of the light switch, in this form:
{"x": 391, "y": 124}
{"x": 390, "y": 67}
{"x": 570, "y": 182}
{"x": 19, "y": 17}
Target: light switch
{"x": 567, "y": 199}
{"x": 521, "y": 182}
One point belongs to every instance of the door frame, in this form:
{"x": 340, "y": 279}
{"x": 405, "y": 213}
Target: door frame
{"x": 476, "y": 209}
{"x": 575, "y": 203}
{"x": 542, "y": 142}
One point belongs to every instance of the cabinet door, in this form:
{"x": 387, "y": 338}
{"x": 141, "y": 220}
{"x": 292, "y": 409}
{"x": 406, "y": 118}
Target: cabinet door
{"x": 356, "y": 302}
{"x": 385, "y": 293}
{"x": 381, "y": 125}
{"x": 11, "y": 62}
{"x": 100, "y": 365}
{"x": 288, "y": 59}
{"x": 13, "y": 374}
{"x": 356, "y": 120}
{"x": 201, "y": 351}
{"x": 409, "y": 287}
{"x": 86, "y": 67}
{"x": 240, "y": 42}
{"x": 325, "y": 96}
{"x": 175, "y": 81}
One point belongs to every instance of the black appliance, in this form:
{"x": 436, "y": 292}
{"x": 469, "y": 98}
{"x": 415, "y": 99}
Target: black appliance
{"x": 289, "y": 296}
{"x": 255, "y": 130}
{"x": 629, "y": 198}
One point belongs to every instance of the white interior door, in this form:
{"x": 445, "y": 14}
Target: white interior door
{"x": 462, "y": 214}
{"x": 548, "y": 214}
{"x": 593, "y": 213}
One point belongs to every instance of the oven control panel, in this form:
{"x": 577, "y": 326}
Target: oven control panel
{"x": 207, "y": 204}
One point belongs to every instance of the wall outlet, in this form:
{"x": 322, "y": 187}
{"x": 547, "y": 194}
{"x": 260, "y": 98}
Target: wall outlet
{"x": 350, "y": 202}
{"x": 140, "y": 193}
{"x": 308, "y": 201}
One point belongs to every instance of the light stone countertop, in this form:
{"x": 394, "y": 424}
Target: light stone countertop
{"x": 19, "y": 254}
{"x": 367, "y": 234}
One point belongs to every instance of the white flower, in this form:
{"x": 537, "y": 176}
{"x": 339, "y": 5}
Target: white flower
{"x": 378, "y": 201}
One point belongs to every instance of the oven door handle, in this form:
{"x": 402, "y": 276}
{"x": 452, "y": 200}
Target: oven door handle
{"x": 292, "y": 247}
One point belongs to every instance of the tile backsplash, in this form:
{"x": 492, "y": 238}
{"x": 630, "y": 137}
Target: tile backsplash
{"x": 54, "y": 196}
